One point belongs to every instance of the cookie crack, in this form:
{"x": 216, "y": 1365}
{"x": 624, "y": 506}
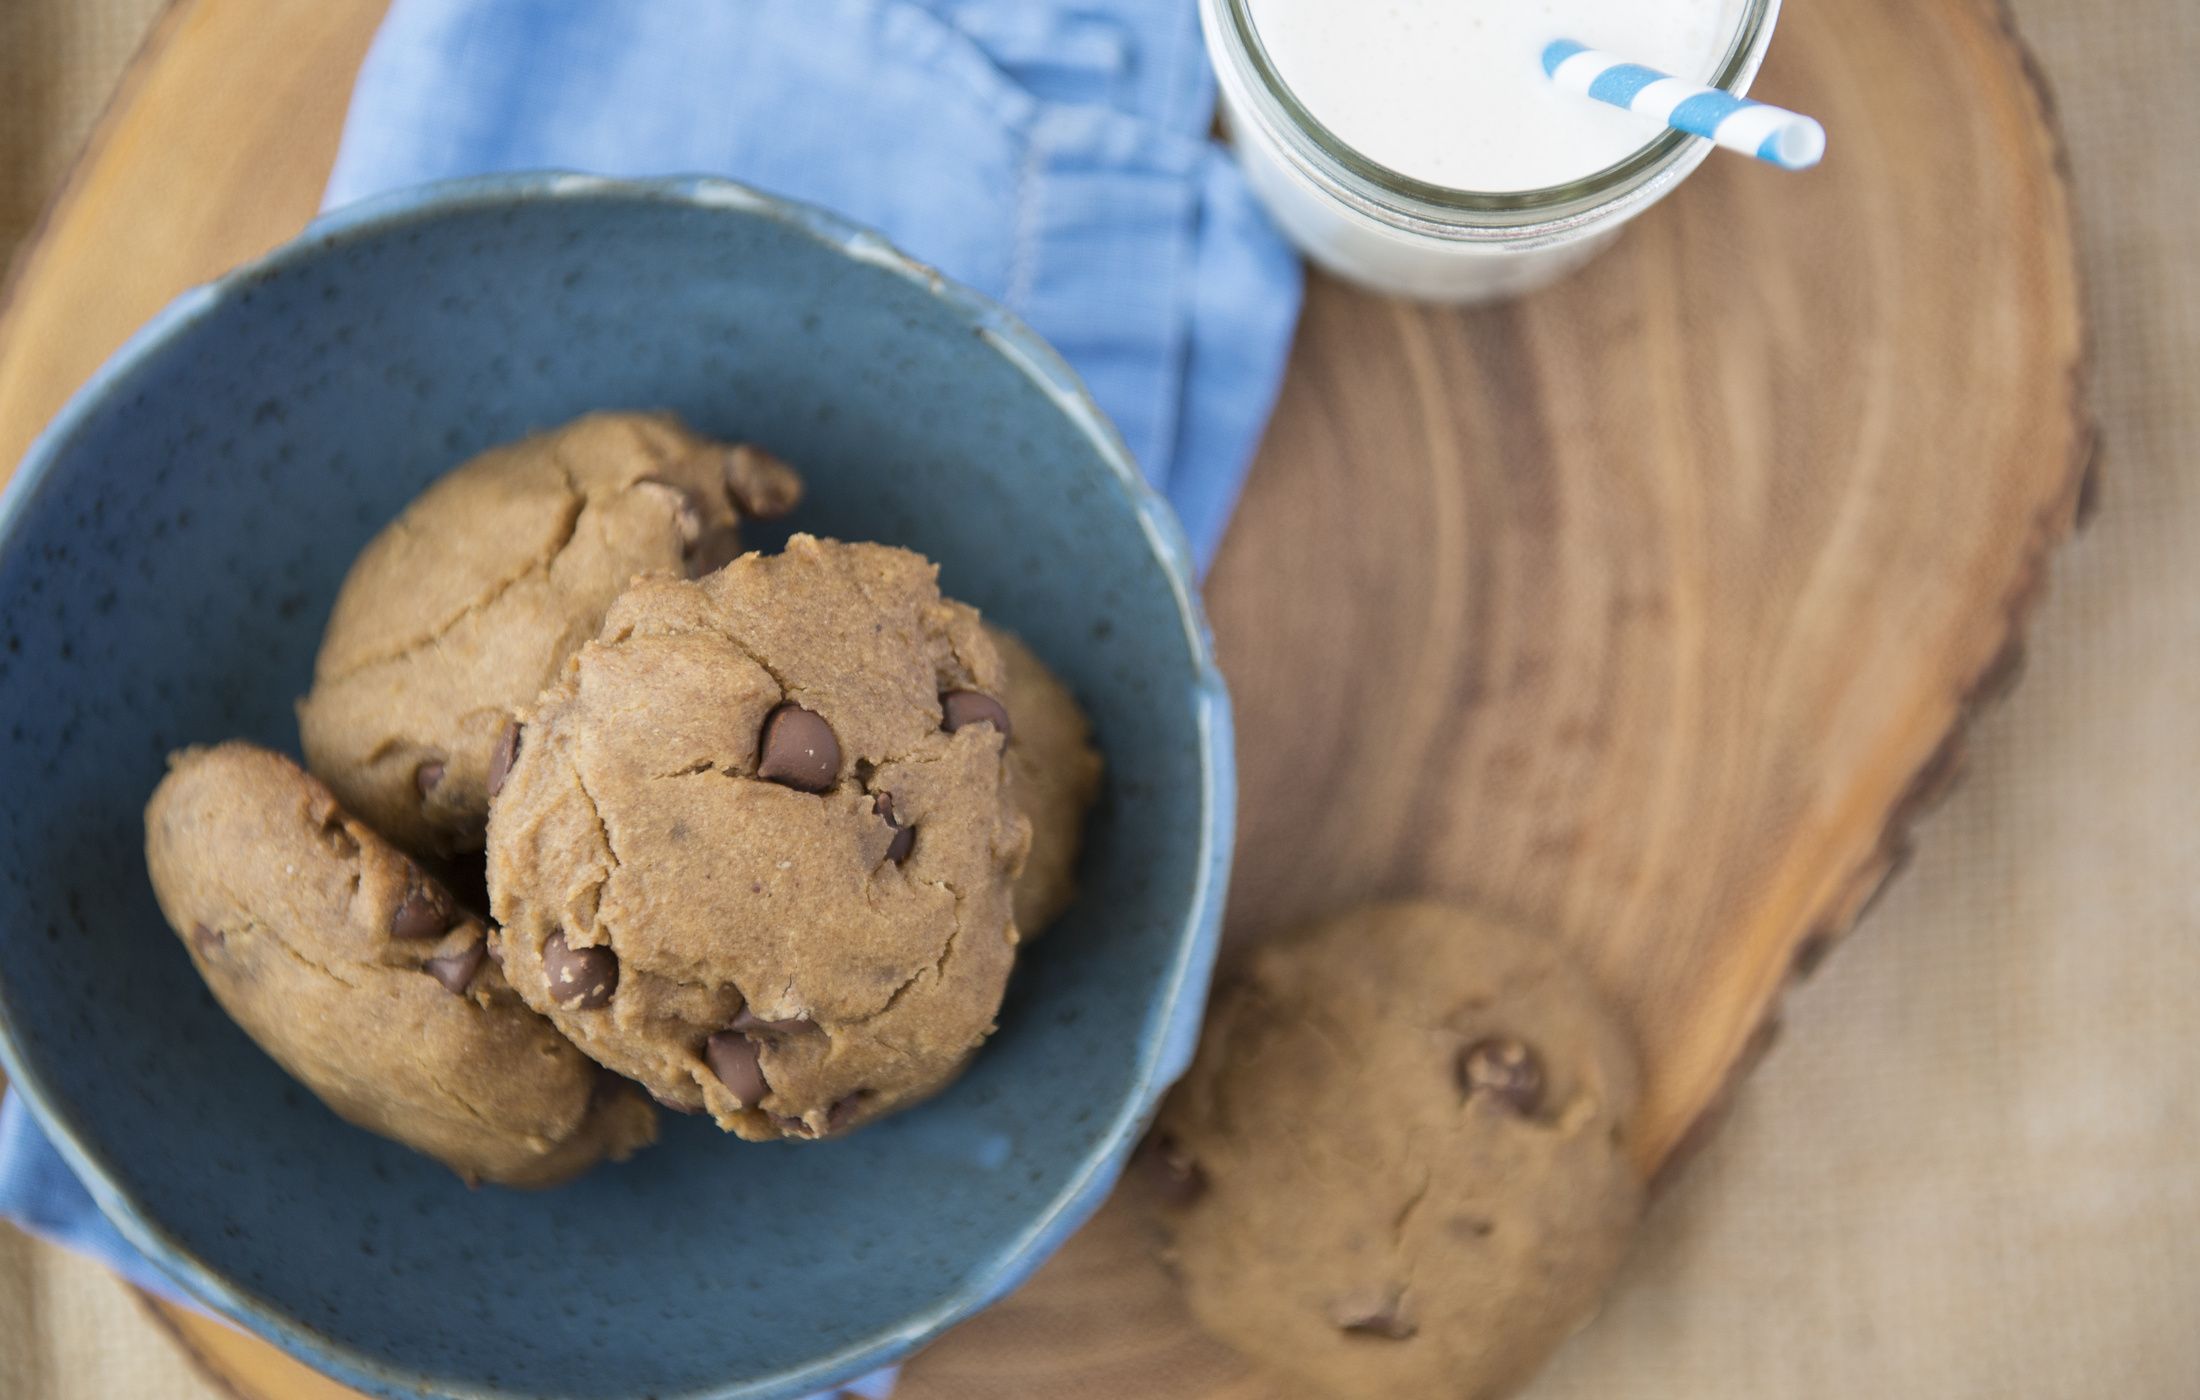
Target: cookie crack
{"x": 310, "y": 964}
{"x": 576, "y": 506}
{"x": 969, "y": 673}
{"x": 1338, "y": 1045}
{"x": 436, "y": 1080}
{"x": 702, "y": 766}
{"x": 1404, "y": 1219}
{"x": 938, "y": 967}
{"x": 674, "y": 979}
{"x": 603, "y": 828}
{"x": 947, "y": 949}
{"x": 914, "y": 758}
{"x": 254, "y": 925}
{"x": 893, "y": 998}
{"x": 1401, "y": 1257}
{"x": 786, "y": 691}
{"x": 595, "y": 809}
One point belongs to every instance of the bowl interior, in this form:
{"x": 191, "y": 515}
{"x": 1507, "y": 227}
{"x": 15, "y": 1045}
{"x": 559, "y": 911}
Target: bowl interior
{"x": 166, "y": 577}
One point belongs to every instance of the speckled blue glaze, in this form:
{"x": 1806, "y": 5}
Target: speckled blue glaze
{"x": 168, "y": 552}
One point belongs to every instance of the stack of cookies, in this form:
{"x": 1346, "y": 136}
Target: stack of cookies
{"x": 754, "y": 836}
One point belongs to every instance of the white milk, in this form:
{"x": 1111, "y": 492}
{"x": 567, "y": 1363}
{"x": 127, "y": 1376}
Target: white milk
{"x": 1452, "y": 92}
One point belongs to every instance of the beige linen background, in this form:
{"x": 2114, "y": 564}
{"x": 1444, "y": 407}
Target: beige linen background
{"x": 1972, "y": 1167}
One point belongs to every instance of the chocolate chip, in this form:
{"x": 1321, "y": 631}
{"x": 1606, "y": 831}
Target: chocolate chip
{"x": 798, "y": 749}
{"x": 843, "y": 1112}
{"x": 961, "y": 707}
{"x": 456, "y": 970}
{"x": 424, "y": 912}
{"x": 732, "y": 1057}
{"x": 581, "y": 979}
{"x": 428, "y": 775}
{"x": 1177, "y": 1178}
{"x": 761, "y": 484}
{"x": 501, "y": 761}
{"x": 905, "y": 837}
{"x": 1371, "y": 1314}
{"x": 1505, "y": 1069}
{"x": 749, "y": 1023}
{"x": 207, "y": 941}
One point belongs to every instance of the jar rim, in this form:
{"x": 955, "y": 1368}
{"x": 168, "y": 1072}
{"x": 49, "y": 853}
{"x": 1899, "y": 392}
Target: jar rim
{"x": 1401, "y": 200}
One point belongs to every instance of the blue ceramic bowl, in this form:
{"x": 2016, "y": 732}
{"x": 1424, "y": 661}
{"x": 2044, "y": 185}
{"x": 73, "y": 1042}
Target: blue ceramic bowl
{"x": 168, "y": 553}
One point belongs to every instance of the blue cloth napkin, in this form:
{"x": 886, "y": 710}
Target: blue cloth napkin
{"x": 1051, "y": 153}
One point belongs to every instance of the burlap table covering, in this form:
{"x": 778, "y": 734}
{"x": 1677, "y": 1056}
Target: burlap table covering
{"x": 1972, "y": 1166}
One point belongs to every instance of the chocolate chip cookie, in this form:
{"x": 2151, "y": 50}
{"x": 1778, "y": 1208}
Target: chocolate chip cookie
{"x": 363, "y": 980}
{"x": 465, "y": 606}
{"x": 754, "y": 848}
{"x": 1395, "y": 1168}
{"x": 1053, "y": 777}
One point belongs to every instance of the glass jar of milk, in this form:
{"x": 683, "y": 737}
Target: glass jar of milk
{"x": 1416, "y": 147}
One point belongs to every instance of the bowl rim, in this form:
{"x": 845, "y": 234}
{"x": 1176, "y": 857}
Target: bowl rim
{"x": 1165, "y": 1047}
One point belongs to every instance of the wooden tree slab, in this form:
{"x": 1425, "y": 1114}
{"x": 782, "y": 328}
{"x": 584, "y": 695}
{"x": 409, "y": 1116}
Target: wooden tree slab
{"x": 1650, "y": 608}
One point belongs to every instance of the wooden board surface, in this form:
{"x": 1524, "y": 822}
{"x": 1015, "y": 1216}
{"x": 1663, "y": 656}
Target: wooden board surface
{"x": 1650, "y": 608}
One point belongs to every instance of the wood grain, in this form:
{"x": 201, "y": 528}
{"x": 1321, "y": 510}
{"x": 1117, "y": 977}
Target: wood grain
{"x": 1650, "y": 609}
{"x": 1637, "y": 608}
{"x": 214, "y": 151}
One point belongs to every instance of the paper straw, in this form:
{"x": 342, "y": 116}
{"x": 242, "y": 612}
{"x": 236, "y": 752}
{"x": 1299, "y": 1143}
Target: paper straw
{"x": 1787, "y": 139}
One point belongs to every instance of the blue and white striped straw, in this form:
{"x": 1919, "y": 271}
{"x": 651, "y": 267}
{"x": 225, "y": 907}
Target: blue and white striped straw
{"x": 1786, "y": 139}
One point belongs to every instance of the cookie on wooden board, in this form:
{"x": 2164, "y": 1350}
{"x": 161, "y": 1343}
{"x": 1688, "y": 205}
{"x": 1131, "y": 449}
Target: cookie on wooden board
{"x": 362, "y": 977}
{"x": 1396, "y": 1166}
{"x": 467, "y": 604}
